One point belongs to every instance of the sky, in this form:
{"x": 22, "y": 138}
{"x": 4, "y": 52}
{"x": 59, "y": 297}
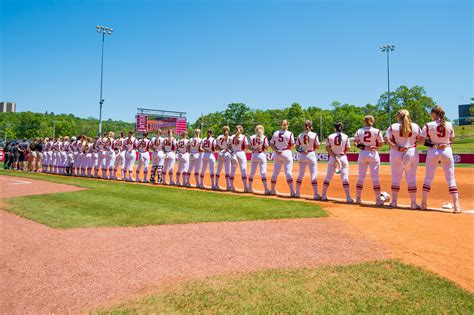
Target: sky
{"x": 198, "y": 56}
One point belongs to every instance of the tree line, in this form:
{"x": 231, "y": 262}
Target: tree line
{"x": 31, "y": 125}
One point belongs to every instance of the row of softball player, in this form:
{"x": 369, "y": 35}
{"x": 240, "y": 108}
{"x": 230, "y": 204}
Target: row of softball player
{"x": 196, "y": 156}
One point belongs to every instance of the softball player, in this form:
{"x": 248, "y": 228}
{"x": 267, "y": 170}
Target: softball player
{"x": 306, "y": 144}
{"x": 282, "y": 142}
{"x": 67, "y": 148}
{"x": 119, "y": 150}
{"x": 438, "y": 136}
{"x": 402, "y": 137}
{"x": 130, "y": 145}
{"x": 56, "y": 158}
{"x": 109, "y": 157}
{"x": 368, "y": 139}
{"x": 95, "y": 158}
{"x": 224, "y": 156}
{"x": 75, "y": 154}
{"x": 47, "y": 155}
{"x": 88, "y": 159}
{"x": 208, "y": 158}
{"x": 195, "y": 156}
{"x": 169, "y": 149}
{"x": 143, "y": 145}
{"x": 258, "y": 145}
{"x": 183, "y": 159}
{"x": 337, "y": 145}
{"x": 157, "y": 157}
{"x": 238, "y": 144}
{"x": 101, "y": 156}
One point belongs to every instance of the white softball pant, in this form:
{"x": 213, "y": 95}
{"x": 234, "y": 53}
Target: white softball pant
{"x": 258, "y": 160}
{"x": 110, "y": 157}
{"x": 183, "y": 166}
{"x": 223, "y": 162}
{"x": 309, "y": 160}
{"x": 143, "y": 163}
{"x": 404, "y": 163}
{"x": 195, "y": 160}
{"x": 283, "y": 159}
{"x": 130, "y": 157}
{"x": 433, "y": 158}
{"x": 101, "y": 162}
{"x": 242, "y": 163}
{"x": 371, "y": 160}
{"x": 208, "y": 159}
{"x": 168, "y": 166}
{"x": 157, "y": 158}
{"x": 344, "y": 175}
{"x": 119, "y": 162}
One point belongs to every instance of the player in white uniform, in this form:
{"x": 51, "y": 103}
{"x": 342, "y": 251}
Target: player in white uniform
{"x": 402, "y": 137}
{"x": 67, "y": 148}
{"x": 157, "y": 158}
{"x": 56, "y": 158}
{"x": 83, "y": 158}
{"x": 369, "y": 139}
{"x": 47, "y": 155}
{"x": 282, "y": 142}
{"x": 195, "y": 156}
{"x": 169, "y": 149}
{"x": 130, "y": 144}
{"x": 238, "y": 144}
{"x": 258, "y": 145}
{"x": 224, "y": 156}
{"x": 306, "y": 144}
{"x": 95, "y": 157}
{"x": 107, "y": 171}
{"x": 101, "y": 156}
{"x": 183, "y": 159}
{"x": 119, "y": 150}
{"x": 337, "y": 144}
{"x": 438, "y": 135}
{"x": 208, "y": 159}
{"x": 62, "y": 155}
{"x": 143, "y": 145}
{"x": 89, "y": 157}
{"x": 75, "y": 154}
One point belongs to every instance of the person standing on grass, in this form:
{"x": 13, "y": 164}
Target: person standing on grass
{"x": 109, "y": 156}
{"x": 143, "y": 145}
{"x": 22, "y": 152}
{"x": 369, "y": 139}
{"x": 306, "y": 144}
{"x": 258, "y": 145}
{"x": 208, "y": 159}
{"x": 119, "y": 149}
{"x": 31, "y": 149}
{"x": 183, "y": 159}
{"x": 224, "y": 156}
{"x": 157, "y": 158}
{"x": 337, "y": 144}
{"x": 282, "y": 142}
{"x": 130, "y": 145}
{"x": 238, "y": 143}
{"x": 169, "y": 150}
{"x": 39, "y": 155}
{"x": 195, "y": 156}
{"x": 8, "y": 155}
{"x": 402, "y": 137}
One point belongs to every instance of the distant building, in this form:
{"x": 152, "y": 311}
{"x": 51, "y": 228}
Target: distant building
{"x": 7, "y": 107}
{"x": 466, "y": 114}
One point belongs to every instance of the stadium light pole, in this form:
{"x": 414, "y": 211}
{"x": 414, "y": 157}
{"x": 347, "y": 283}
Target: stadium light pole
{"x": 388, "y": 49}
{"x": 104, "y": 30}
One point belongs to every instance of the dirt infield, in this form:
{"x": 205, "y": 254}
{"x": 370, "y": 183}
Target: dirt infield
{"x": 17, "y": 186}
{"x": 45, "y": 270}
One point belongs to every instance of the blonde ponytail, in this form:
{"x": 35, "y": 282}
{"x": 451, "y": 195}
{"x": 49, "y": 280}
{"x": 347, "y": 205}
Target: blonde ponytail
{"x": 439, "y": 111}
{"x": 405, "y": 122}
{"x": 369, "y": 120}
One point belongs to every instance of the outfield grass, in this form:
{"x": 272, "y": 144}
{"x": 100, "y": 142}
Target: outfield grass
{"x": 388, "y": 287}
{"x": 111, "y": 203}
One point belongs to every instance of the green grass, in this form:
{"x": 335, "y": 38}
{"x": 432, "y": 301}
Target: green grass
{"x": 110, "y": 203}
{"x": 384, "y": 287}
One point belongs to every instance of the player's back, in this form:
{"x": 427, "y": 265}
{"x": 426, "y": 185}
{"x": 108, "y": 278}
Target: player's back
{"x": 394, "y": 132}
{"x": 195, "y": 144}
{"x": 339, "y": 143}
{"x": 258, "y": 144}
{"x": 282, "y": 140}
{"x": 209, "y": 144}
{"x": 238, "y": 142}
{"x": 438, "y": 134}
{"x": 369, "y": 136}
{"x": 308, "y": 140}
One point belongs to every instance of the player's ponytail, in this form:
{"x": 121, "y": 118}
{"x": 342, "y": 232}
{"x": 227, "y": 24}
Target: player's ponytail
{"x": 338, "y": 128}
{"x": 369, "y": 120}
{"x": 259, "y": 130}
{"x": 405, "y": 122}
{"x": 439, "y": 111}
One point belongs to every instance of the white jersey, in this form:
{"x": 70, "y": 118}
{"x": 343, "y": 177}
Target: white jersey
{"x": 169, "y": 145}
{"x": 182, "y": 145}
{"x": 238, "y": 143}
{"x": 195, "y": 144}
{"x": 118, "y": 144}
{"x": 282, "y": 140}
{"x": 338, "y": 145}
{"x": 57, "y": 146}
{"x": 369, "y": 136}
{"x": 436, "y": 134}
{"x": 89, "y": 148}
{"x": 109, "y": 144}
{"x": 308, "y": 141}
{"x": 100, "y": 144}
{"x": 66, "y": 146}
{"x": 394, "y": 133}
{"x": 157, "y": 143}
{"x": 258, "y": 144}
{"x": 130, "y": 143}
{"x": 209, "y": 144}
{"x": 143, "y": 145}
{"x": 81, "y": 146}
{"x": 223, "y": 143}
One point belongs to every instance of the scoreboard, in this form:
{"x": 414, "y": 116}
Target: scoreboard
{"x": 150, "y": 120}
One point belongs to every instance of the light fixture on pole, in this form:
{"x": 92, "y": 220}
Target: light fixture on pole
{"x": 104, "y": 30}
{"x": 388, "y": 49}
